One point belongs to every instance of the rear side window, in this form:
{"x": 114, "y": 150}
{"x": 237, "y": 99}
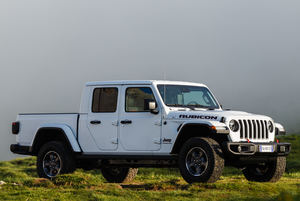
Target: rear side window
{"x": 105, "y": 100}
{"x": 137, "y": 99}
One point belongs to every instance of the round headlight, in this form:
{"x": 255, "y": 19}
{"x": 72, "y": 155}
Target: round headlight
{"x": 234, "y": 125}
{"x": 270, "y": 126}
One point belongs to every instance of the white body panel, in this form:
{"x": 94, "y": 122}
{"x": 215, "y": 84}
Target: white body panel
{"x": 104, "y": 134}
{"x": 86, "y": 140}
{"x": 31, "y": 123}
{"x": 143, "y": 134}
{"x": 152, "y": 134}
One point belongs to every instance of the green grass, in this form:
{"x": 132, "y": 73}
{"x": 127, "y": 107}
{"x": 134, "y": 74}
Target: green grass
{"x": 22, "y": 183}
{"x": 293, "y": 162}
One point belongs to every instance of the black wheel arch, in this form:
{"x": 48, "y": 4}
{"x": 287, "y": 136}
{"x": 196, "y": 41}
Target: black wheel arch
{"x": 47, "y": 134}
{"x": 190, "y": 130}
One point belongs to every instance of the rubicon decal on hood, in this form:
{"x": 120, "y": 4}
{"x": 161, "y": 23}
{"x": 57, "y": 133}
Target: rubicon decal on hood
{"x": 184, "y": 116}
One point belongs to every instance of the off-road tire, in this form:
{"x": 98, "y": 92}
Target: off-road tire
{"x": 119, "y": 174}
{"x": 215, "y": 160}
{"x": 67, "y": 159}
{"x": 272, "y": 173}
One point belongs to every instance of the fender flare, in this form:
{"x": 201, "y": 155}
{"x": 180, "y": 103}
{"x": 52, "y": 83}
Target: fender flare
{"x": 199, "y": 123}
{"x": 279, "y": 129}
{"x": 181, "y": 127}
{"x": 66, "y": 130}
{"x": 213, "y": 126}
{"x": 217, "y": 127}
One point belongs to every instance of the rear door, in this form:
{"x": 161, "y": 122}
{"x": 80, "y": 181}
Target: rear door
{"x": 140, "y": 130}
{"x": 103, "y": 117}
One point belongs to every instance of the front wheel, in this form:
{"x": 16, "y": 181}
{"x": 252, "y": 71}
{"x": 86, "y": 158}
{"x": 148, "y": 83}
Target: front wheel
{"x": 267, "y": 172}
{"x": 119, "y": 174}
{"x": 201, "y": 160}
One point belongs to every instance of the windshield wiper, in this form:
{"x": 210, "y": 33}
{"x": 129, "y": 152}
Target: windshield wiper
{"x": 192, "y": 107}
{"x": 175, "y": 105}
{"x": 200, "y": 106}
{"x": 180, "y": 105}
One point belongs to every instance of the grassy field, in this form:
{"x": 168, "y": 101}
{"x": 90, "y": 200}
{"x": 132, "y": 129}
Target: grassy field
{"x": 22, "y": 183}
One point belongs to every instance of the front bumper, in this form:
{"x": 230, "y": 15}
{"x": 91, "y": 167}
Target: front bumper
{"x": 249, "y": 149}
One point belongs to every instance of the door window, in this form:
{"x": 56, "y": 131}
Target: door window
{"x": 137, "y": 99}
{"x": 105, "y": 100}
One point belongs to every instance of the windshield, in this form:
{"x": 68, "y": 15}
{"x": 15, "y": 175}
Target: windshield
{"x": 187, "y": 96}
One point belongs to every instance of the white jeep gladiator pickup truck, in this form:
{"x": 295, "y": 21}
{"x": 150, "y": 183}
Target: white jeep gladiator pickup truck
{"x": 123, "y": 125}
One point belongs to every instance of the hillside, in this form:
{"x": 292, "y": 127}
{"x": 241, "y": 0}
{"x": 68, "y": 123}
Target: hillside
{"x": 20, "y": 182}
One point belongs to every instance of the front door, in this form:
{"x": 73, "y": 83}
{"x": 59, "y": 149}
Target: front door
{"x": 140, "y": 130}
{"x": 103, "y": 117}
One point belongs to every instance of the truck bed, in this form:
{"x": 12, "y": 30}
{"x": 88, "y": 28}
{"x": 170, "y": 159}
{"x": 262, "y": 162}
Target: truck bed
{"x": 31, "y": 122}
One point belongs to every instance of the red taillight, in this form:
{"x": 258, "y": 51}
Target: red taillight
{"x": 15, "y": 127}
{"x": 277, "y": 140}
{"x": 248, "y": 140}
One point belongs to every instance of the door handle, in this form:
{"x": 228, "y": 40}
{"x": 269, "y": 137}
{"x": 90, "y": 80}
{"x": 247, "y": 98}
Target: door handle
{"x": 126, "y": 121}
{"x": 95, "y": 122}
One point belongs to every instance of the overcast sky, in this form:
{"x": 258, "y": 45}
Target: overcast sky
{"x": 247, "y": 52}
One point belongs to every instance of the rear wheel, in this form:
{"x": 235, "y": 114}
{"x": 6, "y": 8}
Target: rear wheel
{"x": 267, "y": 172}
{"x": 54, "y": 159}
{"x": 119, "y": 174}
{"x": 201, "y": 160}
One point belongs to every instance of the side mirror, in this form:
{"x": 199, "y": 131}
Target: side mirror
{"x": 152, "y": 107}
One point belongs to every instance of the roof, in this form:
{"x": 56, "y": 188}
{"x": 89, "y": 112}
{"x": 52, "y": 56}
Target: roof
{"x": 119, "y": 82}
{"x": 140, "y": 82}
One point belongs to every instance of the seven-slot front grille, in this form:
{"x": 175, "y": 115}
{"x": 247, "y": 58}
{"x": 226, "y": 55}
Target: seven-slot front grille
{"x": 253, "y": 129}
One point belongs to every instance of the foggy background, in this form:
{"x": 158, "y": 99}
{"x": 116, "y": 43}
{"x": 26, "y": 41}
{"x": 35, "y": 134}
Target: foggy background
{"x": 247, "y": 52}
